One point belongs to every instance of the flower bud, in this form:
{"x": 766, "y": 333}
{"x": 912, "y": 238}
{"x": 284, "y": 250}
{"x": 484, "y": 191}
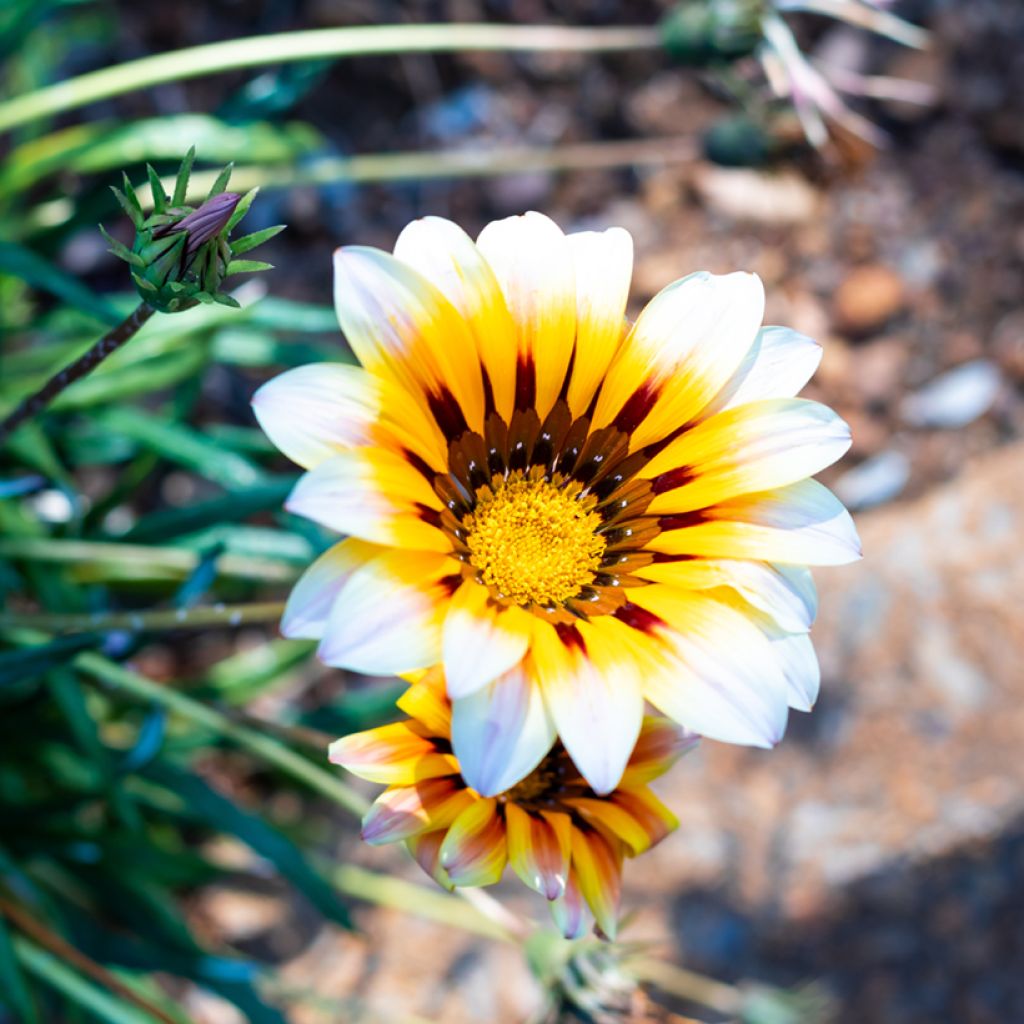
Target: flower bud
{"x": 702, "y": 32}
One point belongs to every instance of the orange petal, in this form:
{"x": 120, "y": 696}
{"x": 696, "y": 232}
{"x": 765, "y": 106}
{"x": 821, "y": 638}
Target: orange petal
{"x": 404, "y": 811}
{"x": 598, "y": 865}
{"x": 474, "y": 852}
{"x": 660, "y": 745}
{"x": 612, "y": 821}
{"x": 539, "y": 846}
{"x": 426, "y": 849}
{"x": 396, "y": 754}
{"x": 570, "y": 912}
{"x": 426, "y": 702}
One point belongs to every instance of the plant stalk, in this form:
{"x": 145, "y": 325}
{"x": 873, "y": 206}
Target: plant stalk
{"x": 205, "y": 617}
{"x": 315, "y": 44}
{"x": 110, "y": 342}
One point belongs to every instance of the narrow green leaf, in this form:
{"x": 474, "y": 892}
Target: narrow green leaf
{"x": 23, "y": 263}
{"x": 248, "y": 267}
{"x": 14, "y": 992}
{"x": 28, "y": 662}
{"x": 181, "y": 183}
{"x": 220, "y": 184}
{"x": 241, "y": 209}
{"x": 157, "y": 188}
{"x": 249, "y": 242}
{"x": 222, "y": 814}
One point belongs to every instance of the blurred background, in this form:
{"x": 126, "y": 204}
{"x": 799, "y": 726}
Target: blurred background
{"x": 878, "y": 852}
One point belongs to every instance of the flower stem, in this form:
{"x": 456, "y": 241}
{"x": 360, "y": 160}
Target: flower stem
{"x": 315, "y": 44}
{"x": 208, "y": 616}
{"x": 110, "y": 342}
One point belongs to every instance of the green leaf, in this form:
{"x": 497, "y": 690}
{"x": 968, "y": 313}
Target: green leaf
{"x": 28, "y": 662}
{"x": 241, "y": 209}
{"x": 157, "y": 188}
{"x": 14, "y": 992}
{"x": 221, "y": 182}
{"x": 248, "y": 242}
{"x": 218, "y": 812}
{"x": 22, "y": 263}
{"x": 181, "y": 182}
{"x": 247, "y": 267}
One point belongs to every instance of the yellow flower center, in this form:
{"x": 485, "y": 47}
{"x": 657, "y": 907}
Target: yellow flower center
{"x": 534, "y": 542}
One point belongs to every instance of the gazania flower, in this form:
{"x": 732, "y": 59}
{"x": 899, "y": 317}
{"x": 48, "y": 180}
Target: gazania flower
{"x": 571, "y": 514}
{"x": 559, "y": 836}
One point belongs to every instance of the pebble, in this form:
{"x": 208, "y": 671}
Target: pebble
{"x": 875, "y": 481}
{"x": 868, "y": 298}
{"x": 954, "y": 398}
{"x": 760, "y": 197}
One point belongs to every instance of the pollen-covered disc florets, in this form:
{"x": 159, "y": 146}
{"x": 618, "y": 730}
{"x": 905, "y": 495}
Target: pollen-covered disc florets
{"x": 533, "y": 541}
{"x": 559, "y": 836}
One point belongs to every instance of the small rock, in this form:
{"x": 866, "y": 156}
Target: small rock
{"x": 955, "y": 398}
{"x": 879, "y": 367}
{"x": 758, "y": 196}
{"x": 876, "y": 480}
{"x": 867, "y": 299}
{"x": 1008, "y": 343}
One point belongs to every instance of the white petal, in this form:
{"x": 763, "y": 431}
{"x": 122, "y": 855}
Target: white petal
{"x": 310, "y": 602}
{"x": 604, "y": 269}
{"x": 593, "y": 694}
{"x": 501, "y": 733}
{"x": 387, "y": 618}
{"x": 481, "y": 640}
{"x": 313, "y": 412}
{"x": 780, "y": 362}
{"x": 795, "y": 654}
{"x": 721, "y": 678}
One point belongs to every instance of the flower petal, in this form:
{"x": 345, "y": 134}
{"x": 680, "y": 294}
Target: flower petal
{"x": 539, "y": 845}
{"x": 803, "y": 524}
{"x": 400, "y": 326}
{"x": 426, "y": 702}
{"x": 481, "y": 639}
{"x": 533, "y": 263}
{"x": 426, "y": 850}
{"x": 571, "y": 915}
{"x": 475, "y": 852}
{"x": 404, "y": 811}
{"x": 313, "y": 412}
{"x": 720, "y": 677}
{"x": 387, "y": 618}
{"x": 396, "y": 755}
{"x": 636, "y": 817}
{"x": 799, "y": 663}
{"x": 447, "y": 257}
{"x": 604, "y": 266}
{"x": 501, "y": 732}
{"x": 780, "y": 362}
{"x": 756, "y": 447}
{"x": 591, "y": 687}
{"x": 598, "y": 866}
{"x": 310, "y": 602}
{"x": 682, "y": 350}
{"x": 661, "y": 743}
{"x": 785, "y": 593}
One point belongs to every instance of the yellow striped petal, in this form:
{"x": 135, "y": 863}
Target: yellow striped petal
{"x": 539, "y": 848}
{"x": 571, "y": 915}
{"x": 425, "y": 702}
{"x": 682, "y": 350}
{"x": 400, "y": 326}
{"x": 396, "y": 755}
{"x": 447, "y": 257}
{"x": 661, "y": 743}
{"x": 426, "y": 849}
{"x": 405, "y": 811}
{"x": 603, "y": 261}
{"x": 474, "y": 851}
{"x": 598, "y": 866}
{"x": 532, "y": 261}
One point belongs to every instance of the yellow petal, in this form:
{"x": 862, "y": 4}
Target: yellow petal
{"x": 395, "y": 754}
{"x": 598, "y": 866}
{"x": 474, "y": 851}
{"x": 539, "y": 847}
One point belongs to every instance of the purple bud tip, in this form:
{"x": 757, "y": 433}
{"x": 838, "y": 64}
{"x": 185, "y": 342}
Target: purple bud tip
{"x": 206, "y": 222}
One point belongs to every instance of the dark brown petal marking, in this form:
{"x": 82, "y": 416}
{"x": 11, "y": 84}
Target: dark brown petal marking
{"x": 661, "y": 557}
{"x": 552, "y": 435}
{"x": 594, "y": 601}
{"x": 621, "y": 562}
{"x": 570, "y": 636}
{"x": 450, "y": 583}
{"x": 496, "y": 441}
{"x": 602, "y": 450}
{"x": 678, "y": 477}
{"x": 635, "y": 533}
{"x": 488, "y": 391}
{"x": 455, "y": 497}
{"x": 637, "y": 406}
{"x": 428, "y": 515}
{"x": 478, "y": 463}
{"x": 419, "y": 464}
{"x": 630, "y": 500}
{"x": 618, "y": 474}
{"x": 522, "y": 435}
{"x": 573, "y": 444}
{"x": 526, "y": 382}
{"x": 684, "y": 519}
{"x": 447, "y": 412}
{"x": 639, "y": 618}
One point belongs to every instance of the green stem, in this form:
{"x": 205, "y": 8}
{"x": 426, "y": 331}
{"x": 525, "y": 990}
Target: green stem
{"x": 315, "y": 44}
{"x": 696, "y": 988}
{"x": 153, "y": 621}
{"x": 256, "y": 743}
{"x": 178, "y": 562}
{"x": 84, "y": 364}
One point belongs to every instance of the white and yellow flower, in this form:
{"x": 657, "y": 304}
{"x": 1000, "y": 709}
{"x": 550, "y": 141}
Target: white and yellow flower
{"x": 572, "y": 514}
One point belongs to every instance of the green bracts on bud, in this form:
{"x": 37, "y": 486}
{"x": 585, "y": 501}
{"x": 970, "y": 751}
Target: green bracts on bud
{"x": 181, "y": 254}
{"x": 701, "y": 32}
